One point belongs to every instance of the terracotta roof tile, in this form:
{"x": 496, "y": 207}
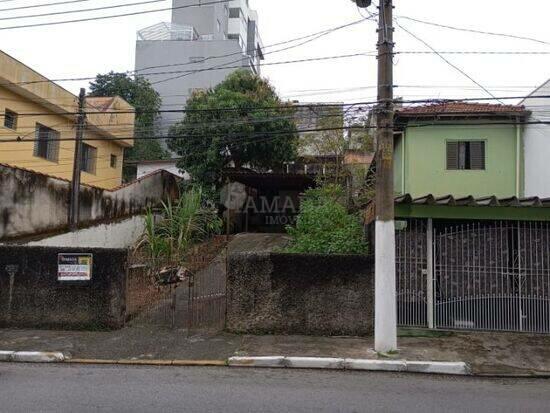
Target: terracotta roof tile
{"x": 458, "y": 108}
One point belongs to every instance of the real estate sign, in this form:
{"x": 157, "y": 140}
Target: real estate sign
{"x": 74, "y": 267}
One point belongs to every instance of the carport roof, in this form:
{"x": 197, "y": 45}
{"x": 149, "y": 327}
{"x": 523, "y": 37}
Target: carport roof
{"x": 470, "y": 201}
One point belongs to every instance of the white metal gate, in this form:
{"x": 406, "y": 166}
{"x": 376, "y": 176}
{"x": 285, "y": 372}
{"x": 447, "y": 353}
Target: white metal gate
{"x": 488, "y": 275}
{"x": 493, "y": 276}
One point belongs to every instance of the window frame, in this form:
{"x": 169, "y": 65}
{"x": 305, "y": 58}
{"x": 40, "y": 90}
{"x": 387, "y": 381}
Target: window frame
{"x": 468, "y": 157}
{"x": 51, "y": 143}
{"x": 114, "y": 161}
{"x": 10, "y": 113}
{"x": 88, "y": 163}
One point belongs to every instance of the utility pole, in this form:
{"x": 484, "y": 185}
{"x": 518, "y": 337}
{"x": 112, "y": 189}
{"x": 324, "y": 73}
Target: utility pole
{"x": 385, "y": 330}
{"x": 385, "y": 307}
{"x": 74, "y": 204}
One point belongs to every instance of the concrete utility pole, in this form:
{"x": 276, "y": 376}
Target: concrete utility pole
{"x": 74, "y": 204}
{"x": 385, "y": 312}
{"x": 385, "y": 330}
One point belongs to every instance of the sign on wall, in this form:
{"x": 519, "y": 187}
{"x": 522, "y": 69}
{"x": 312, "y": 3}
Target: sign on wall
{"x": 74, "y": 267}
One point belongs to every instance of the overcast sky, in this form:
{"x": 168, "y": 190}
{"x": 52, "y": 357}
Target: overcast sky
{"x": 85, "y": 49}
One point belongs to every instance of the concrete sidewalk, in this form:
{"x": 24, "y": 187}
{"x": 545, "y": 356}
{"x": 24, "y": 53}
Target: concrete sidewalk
{"x": 486, "y": 353}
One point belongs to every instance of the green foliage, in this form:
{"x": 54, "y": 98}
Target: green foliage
{"x": 362, "y": 139}
{"x": 139, "y": 93}
{"x": 330, "y": 142}
{"x": 324, "y": 226}
{"x": 215, "y": 139}
{"x": 183, "y": 224}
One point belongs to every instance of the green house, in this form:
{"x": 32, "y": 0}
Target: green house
{"x": 472, "y": 252}
{"x": 459, "y": 149}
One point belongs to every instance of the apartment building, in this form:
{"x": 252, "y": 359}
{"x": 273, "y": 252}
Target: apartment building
{"x": 37, "y": 128}
{"x": 197, "y": 50}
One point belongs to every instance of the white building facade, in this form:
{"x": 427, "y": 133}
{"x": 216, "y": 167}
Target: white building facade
{"x": 197, "y": 50}
{"x": 536, "y": 141}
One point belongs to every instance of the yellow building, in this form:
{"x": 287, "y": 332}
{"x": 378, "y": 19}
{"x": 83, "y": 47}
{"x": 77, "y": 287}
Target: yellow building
{"x": 37, "y": 128}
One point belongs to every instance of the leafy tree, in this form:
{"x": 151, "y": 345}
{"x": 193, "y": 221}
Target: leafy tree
{"x": 139, "y": 93}
{"x": 361, "y": 139}
{"x": 330, "y": 142}
{"x": 324, "y": 225}
{"x": 220, "y": 130}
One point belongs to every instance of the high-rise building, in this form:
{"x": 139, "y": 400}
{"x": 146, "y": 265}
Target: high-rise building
{"x": 197, "y": 50}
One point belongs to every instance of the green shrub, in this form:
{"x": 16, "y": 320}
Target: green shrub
{"x": 324, "y": 225}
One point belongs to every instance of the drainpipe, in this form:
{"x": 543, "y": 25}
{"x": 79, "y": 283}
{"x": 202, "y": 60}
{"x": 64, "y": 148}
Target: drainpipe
{"x": 518, "y": 157}
{"x": 403, "y": 163}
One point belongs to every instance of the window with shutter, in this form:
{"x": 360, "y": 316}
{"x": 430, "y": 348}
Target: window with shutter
{"x": 10, "y": 119}
{"x": 465, "y": 155}
{"x": 46, "y": 143}
{"x": 452, "y": 155}
{"x": 477, "y": 155}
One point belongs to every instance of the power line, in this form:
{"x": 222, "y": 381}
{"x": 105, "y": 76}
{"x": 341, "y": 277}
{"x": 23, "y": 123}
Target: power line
{"x": 462, "y": 29}
{"x": 259, "y": 134}
{"x": 290, "y": 106}
{"x": 473, "y": 52}
{"x": 291, "y": 132}
{"x": 55, "y": 23}
{"x": 314, "y": 59}
{"x": 446, "y": 60}
{"x": 281, "y": 107}
{"x": 43, "y": 5}
{"x": 323, "y": 32}
{"x": 56, "y": 13}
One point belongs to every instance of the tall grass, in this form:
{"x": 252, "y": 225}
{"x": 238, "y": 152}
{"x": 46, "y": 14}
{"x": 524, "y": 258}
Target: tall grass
{"x": 183, "y": 223}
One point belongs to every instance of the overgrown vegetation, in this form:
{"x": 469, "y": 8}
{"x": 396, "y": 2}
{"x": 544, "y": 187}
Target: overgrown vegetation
{"x": 324, "y": 225}
{"x": 239, "y": 123}
{"x": 183, "y": 224}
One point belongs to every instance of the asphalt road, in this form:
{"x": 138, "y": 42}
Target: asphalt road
{"x": 76, "y": 388}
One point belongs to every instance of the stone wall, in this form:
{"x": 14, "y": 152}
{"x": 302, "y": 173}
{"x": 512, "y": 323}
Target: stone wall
{"x": 32, "y": 203}
{"x": 300, "y": 294}
{"x": 32, "y": 296}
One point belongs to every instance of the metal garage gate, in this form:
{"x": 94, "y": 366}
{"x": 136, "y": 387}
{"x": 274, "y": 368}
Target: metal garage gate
{"x": 489, "y": 275}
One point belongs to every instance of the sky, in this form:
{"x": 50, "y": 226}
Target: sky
{"x": 85, "y": 49}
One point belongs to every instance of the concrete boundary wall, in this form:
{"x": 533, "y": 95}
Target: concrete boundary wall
{"x": 36, "y": 204}
{"x": 120, "y": 234}
{"x": 300, "y": 294}
{"x": 32, "y": 296}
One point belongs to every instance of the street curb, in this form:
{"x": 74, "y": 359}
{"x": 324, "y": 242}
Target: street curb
{"x": 426, "y": 367}
{"x": 31, "y": 357}
{"x": 142, "y": 362}
{"x": 330, "y": 363}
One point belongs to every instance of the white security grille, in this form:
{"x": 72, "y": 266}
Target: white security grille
{"x": 488, "y": 275}
{"x": 411, "y": 268}
{"x": 493, "y": 276}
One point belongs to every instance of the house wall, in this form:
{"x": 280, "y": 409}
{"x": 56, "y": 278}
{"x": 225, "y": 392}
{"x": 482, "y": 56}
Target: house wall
{"x": 425, "y": 162}
{"x": 21, "y": 153}
{"x": 33, "y": 204}
{"x": 537, "y": 145}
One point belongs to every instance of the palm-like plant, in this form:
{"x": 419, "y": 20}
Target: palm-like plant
{"x": 183, "y": 224}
